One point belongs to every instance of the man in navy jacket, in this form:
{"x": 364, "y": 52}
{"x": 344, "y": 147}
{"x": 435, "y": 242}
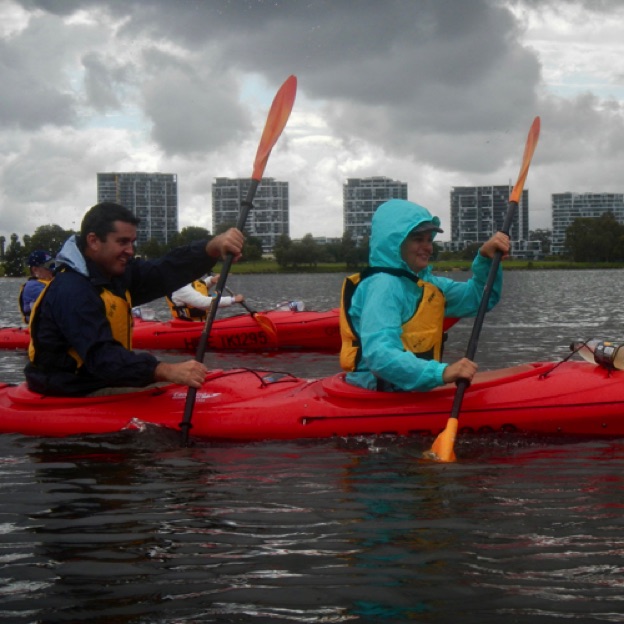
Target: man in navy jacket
{"x": 82, "y": 324}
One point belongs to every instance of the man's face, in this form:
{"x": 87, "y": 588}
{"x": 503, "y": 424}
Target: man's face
{"x": 417, "y": 250}
{"x": 113, "y": 254}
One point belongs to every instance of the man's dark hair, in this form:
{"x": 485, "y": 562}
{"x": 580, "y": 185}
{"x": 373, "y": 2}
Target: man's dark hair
{"x": 100, "y": 219}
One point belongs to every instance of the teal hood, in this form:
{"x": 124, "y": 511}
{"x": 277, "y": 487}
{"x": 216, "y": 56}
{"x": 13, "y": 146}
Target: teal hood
{"x": 392, "y": 222}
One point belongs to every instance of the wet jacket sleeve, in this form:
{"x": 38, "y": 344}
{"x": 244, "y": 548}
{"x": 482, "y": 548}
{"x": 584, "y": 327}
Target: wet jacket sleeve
{"x": 106, "y": 358}
{"x": 151, "y": 280}
{"x": 188, "y": 296}
{"x": 463, "y": 298}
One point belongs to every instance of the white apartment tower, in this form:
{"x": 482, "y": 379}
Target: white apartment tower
{"x": 267, "y": 220}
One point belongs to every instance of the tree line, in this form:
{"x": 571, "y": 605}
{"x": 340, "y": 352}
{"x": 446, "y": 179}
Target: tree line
{"x": 588, "y": 239}
{"x": 288, "y": 254}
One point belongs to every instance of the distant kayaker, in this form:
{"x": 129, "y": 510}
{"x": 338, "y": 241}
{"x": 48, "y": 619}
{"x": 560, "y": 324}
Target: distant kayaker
{"x": 392, "y": 312}
{"x": 192, "y": 302}
{"x": 81, "y": 326}
{"x": 41, "y": 265}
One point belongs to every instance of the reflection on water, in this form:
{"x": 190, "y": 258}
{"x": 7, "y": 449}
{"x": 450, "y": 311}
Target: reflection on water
{"x": 132, "y": 528}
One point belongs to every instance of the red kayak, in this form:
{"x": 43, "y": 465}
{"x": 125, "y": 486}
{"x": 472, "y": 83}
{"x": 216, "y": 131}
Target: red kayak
{"x": 14, "y": 337}
{"x": 573, "y": 398}
{"x": 315, "y": 331}
{"x": 306, "y": 330}
{"x": 297, "y": 331}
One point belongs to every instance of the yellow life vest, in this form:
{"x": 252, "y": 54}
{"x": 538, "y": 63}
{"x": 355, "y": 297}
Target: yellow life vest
{"x": 26, "y": 318}
{"x": 118, "y": 313}
{"x": 422, "y": 334}
{"x": 187, "y": 313}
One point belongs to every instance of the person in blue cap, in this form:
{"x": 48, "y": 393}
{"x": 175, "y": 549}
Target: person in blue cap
{"x": 392, "y": 313}
{"x": 41, "y": 265}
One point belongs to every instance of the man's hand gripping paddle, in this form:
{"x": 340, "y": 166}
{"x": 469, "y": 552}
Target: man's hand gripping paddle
{"x": 275, "y": 123}
{"x": 442, "y": 449}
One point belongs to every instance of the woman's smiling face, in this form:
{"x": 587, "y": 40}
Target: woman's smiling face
{"x": 417, "y": 249}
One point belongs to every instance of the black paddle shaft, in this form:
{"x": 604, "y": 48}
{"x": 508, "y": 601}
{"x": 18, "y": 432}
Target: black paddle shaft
{"x": 462, "y": 384}
{"x": 242, "y": 303}
{"x": 246, "y": 206}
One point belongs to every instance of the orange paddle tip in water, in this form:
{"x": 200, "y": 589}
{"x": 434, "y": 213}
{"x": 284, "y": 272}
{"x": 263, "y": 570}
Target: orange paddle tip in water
{"x": 442, "y": 450}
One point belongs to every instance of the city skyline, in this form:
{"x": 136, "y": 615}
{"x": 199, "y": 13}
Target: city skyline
{"x": 437, "y": 94}
{"x": 446, "y": 237}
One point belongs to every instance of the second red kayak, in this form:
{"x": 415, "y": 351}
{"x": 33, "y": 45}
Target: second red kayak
{"x": 296, "y": 331}
{"x": 306, "y": 330}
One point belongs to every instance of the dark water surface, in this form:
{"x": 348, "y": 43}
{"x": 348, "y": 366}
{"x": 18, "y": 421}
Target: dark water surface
{"x": 131, "y": 528}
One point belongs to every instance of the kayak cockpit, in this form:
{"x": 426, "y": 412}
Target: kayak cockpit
{"x": 336, "y": 385}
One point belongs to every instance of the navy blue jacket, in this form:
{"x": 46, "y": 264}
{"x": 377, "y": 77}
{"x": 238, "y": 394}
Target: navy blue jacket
{"x": 72, "y": 314}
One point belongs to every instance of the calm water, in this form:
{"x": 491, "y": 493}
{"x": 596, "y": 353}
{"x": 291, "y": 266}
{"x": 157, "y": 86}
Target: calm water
{"x": 131, "y": 528}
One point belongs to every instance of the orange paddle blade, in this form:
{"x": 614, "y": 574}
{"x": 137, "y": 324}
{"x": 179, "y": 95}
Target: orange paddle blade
{"x": 531, "y": 144}
{"x": 442, "y": 449}
{"x": 267, "y": 325}
{"x": 275, "y": 123}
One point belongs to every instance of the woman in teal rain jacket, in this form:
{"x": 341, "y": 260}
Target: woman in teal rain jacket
{"x": 392, "y": 313}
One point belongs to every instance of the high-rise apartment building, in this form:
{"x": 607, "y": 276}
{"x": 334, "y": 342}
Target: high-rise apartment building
{"x": 566, "y": 207}
{"x": 478, "y": 212}
{"x": 270, "y": 216}
{"x": 361, "y": 197}
{"x": 152, "y": 197}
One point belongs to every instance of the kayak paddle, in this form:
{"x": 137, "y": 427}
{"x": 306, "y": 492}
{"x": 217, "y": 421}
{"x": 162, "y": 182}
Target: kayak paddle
{"x": 275, "y": 123}
{"x": 442, "y": 448}
{"x": 264, "y": 321}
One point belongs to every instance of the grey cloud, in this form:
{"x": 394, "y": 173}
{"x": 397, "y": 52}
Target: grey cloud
{"x": 393, "y": 70}
{"x": 192, "y": 110}
{"x": 432, "y": 65}
{"x": 447, "y": 84}
{"x": 34, "y": 90}
{"x": 103, "y": 80}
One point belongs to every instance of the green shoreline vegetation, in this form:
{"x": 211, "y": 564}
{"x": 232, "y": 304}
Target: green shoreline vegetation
{"x": 591, "y": 243}
{"x": 442, "y": 266}
{"x": 267, "y": 266}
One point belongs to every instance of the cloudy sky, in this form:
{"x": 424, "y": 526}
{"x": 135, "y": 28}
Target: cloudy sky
{"x": 435, "y": 93}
